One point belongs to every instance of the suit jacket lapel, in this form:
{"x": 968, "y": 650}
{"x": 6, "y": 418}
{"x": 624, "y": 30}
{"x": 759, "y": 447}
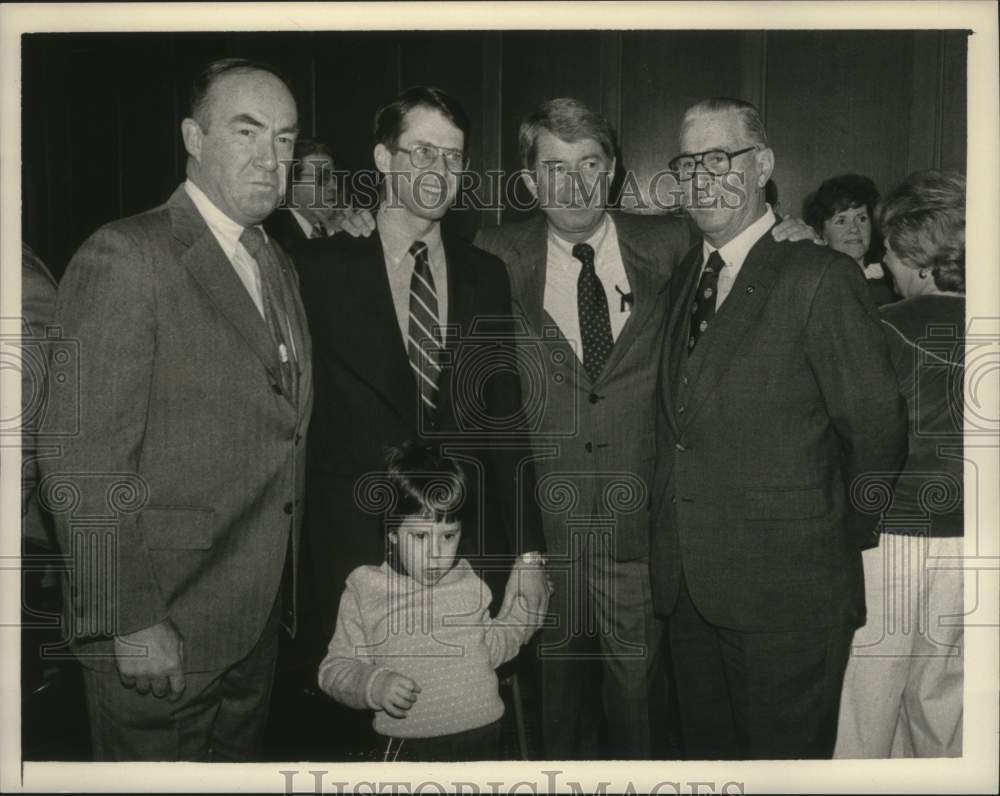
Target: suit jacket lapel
{"x": 377, "y": 353}
{"x": 728, "y": 331}
{"x": 210, "y": 267}
{"x": 528, "y": 266}
{"x": 643, "y": 285}
{"x": 675, "y": 346}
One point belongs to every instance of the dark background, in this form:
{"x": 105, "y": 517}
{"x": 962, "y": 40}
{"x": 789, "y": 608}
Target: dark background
{"x": 102, "y": 112}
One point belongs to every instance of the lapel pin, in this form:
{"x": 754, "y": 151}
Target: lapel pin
{"x": 750, "y": 290}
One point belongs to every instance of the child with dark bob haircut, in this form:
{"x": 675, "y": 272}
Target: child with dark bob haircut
{"x": 415, "y": 641}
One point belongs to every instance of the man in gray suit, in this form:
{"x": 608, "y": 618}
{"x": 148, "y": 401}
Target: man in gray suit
{"x": 179, "y": 499}
{"x": 777, "y": 399}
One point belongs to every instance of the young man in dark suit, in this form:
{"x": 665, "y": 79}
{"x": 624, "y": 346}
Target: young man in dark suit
{"x": 777, "y": 400}
{"x": 414, "y": 338}
{"x": 195, "y": 394}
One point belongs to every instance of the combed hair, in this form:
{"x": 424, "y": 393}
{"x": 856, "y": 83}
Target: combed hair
{"x": 751, "y": 123}
{"x": 304, "y": 147}
{"x": 569, "y": 120}
{"x": 425, "y": 483}
{"x": 923, "y": 219}
{"x": 202, "y": 83}
{"x": 838, "y": 194}
{"x": 390, "y": 119}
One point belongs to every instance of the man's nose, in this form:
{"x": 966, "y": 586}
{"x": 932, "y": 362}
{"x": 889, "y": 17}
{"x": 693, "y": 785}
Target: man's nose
{"x": 266, "y": 155}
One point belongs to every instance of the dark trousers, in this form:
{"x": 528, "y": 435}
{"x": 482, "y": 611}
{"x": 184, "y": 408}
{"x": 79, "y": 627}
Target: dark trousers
{"x": 600, "y": 662}
{"x": 479, "y": 743}
{"x": 220, "y": 717}
{"x": 745, "y": 696}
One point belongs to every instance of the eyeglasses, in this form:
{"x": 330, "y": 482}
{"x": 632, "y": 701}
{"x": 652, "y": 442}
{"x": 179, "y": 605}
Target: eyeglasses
{"x": 424, "y": 156}
{"x": 715, "y": 161}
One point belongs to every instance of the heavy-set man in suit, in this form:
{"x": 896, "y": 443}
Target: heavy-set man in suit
{"x": 595, "y": 427}
{"x": 776, "y": 394}
{"x": 195, "y": 394}
{"x": 412, "y": 329}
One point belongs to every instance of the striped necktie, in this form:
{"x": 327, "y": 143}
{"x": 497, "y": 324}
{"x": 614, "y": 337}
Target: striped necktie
{"x": 424, "y": 344}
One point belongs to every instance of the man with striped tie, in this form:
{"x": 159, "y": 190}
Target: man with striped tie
{"x": 398, "y": 320}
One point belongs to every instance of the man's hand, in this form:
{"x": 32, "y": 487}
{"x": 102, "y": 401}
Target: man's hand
{"x": 394, "y": 693}
{"x": 528, "y": 583}
{"x": 356, "y": 223}
{"x": 794, "y": 229}
{"x": 152, "y": 659}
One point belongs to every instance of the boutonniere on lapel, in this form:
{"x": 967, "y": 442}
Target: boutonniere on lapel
{"x": 628, "y": 300}
{"x": 874, "y": 271}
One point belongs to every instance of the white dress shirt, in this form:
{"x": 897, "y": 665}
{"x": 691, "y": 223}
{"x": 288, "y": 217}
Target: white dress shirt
{"x": 399, "y": 265}
{"x": 735, "y": 252}
{"x": 227, "y": 232}
{"x": 562, "y": 272}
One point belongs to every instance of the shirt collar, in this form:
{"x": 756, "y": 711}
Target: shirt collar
{"x": 735, "y": 252}
{"x": 397, "y": 240}
{"x": 223, "y": 227}
{"x": 564, "y": 248}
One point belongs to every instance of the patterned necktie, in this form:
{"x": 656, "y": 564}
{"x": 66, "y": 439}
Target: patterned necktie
{"x": 275, "y": 316}
{"x": 318, "y": 230}
{"x": 595, "y": 320}
{"x": 703, "y": 308}
{"x": 424, "y": 344}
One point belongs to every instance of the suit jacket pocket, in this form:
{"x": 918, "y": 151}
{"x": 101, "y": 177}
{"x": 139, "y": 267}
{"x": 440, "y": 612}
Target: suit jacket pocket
{"x": 787, "y": 504}
{"x": 177, "y": 528}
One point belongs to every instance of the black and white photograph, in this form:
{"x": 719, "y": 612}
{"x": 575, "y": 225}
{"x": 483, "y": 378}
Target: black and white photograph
{"x": 485, "y": 398}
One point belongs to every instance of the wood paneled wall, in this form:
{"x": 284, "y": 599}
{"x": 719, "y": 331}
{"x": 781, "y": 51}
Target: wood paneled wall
{"x": 101, "y": 112}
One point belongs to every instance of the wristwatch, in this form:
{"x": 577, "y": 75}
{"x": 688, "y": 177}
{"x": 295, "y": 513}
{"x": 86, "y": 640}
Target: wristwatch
{"x": 534, "y": 557}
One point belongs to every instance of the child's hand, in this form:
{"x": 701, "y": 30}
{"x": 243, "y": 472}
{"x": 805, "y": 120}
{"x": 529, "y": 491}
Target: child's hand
{"x": 395, "y": 694}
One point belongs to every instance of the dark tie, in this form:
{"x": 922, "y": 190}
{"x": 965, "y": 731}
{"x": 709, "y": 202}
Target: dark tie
{"x": 423, "y": 342}
{"x": 705, "y": 297}
{"x": 318, "y": 230}
{"x": 595, "y": 321}
{"x": 275, "y": 316}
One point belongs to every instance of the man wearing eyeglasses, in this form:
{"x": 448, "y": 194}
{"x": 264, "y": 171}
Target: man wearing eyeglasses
{"x": 395, "y": 319}
{"x": 776, "y": 393}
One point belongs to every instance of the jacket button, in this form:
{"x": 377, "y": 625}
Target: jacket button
{"x": 594, "y": 398}
{"x": 684, "y": 380}
{"x": 588, "y": 447}
{"x": 288, "y": 508}
{"x": 680, "y": 447}
{"x": 680, "y": 410}
{"x": 298, "y": 438}
{"x": 673, "y": 499}
{"x": 276, "y": 389}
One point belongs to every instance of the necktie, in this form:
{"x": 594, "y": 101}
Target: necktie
{"x": 318, "y": 230}
{"x": 595, "y": 321}
{"x": 423, "y": 342}
{"x": 274, "y": 314}
{"x": 703, "y": 308}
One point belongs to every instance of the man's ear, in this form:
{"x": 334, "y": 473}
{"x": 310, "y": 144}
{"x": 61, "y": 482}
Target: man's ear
{"x": 529, "y": 180}
{"x": 394, "y": 537}
{"x": 382, "y": 157}
{"x": 765, "y": 163}
{"x": 192, "y": 134}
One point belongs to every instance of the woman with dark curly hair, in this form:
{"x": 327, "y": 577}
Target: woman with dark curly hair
{"x": 842, "y": 212}
{"x": 902, "y": 692}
